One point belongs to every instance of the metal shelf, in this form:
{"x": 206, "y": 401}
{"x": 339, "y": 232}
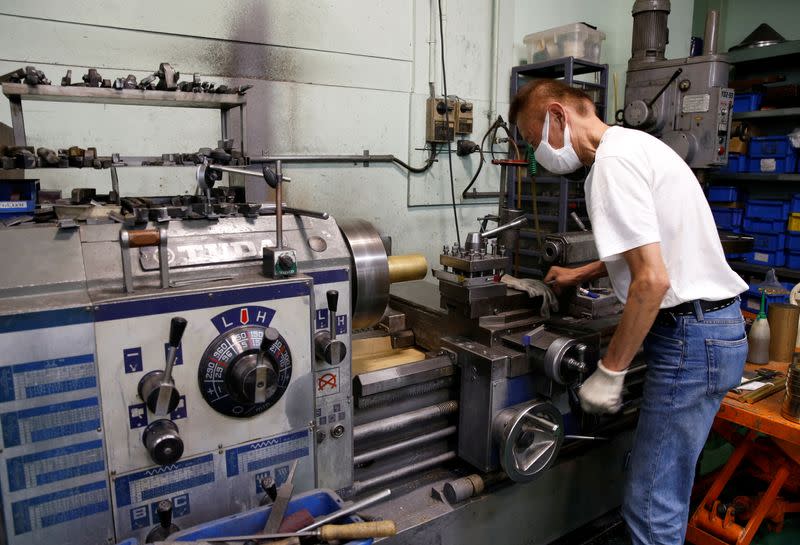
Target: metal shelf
{"x": 131, "y": 97}
{"x": 19, "y": 92}
{"x": 755, "y": 176}
{"x": 766, "y": 114}
{"x": 764, "y": 53}
{"x": 793, "y": 274}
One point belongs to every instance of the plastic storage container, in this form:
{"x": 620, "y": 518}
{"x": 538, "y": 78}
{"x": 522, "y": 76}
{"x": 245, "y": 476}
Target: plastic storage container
{"x": 772, "y": 259}
{"x": 754, "y": 225}
{"x": 769, "y": 241}
{"x": 795, "y": 206}
{"x": 574, "y": 40}
{"x": 793, "y": 242}
{"x": 18, "y": 196}
{"x": 767, "y": 209}
{"x": 746, "y": 102}
{"x": 792, "y": 261}
{"x": 773, "y": 165}
{"x": 794, "y": 223}
{"x": 318, "y": 502}
{"x": 728, "y": 218}
{"x": 736, "y": 163}
{"x": 723, "y": 193}
{"x": 751, "y": 299}
{"x": 769, "y": 146}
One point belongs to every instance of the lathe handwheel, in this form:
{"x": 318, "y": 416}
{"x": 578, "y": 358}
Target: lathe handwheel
{"x": 528, "y": 437}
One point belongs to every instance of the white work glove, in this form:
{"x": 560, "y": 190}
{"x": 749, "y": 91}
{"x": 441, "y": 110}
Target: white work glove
{"x": 602, "y": 392}
{"x": 534, "y": 288}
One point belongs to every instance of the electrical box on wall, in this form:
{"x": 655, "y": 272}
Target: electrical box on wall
{"x": 445, "y": 119}
{"x": 440, "y": 120}
{"x": 464, "y": 117}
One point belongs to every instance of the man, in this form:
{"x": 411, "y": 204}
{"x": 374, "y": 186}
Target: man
{"x": 657, "y": 242}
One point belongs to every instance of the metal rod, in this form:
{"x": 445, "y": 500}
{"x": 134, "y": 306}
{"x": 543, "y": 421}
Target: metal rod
{"x": 711, "y": 33}
{"x": 324, "y": 159}
{"x": 510, "y": 225}
{"x": 115, "y": 183}
{"x": 357, "y": 506}
{"x": 404, "y": 471}
{"x": 400, "y": 421}
{"x": 234, "y": 170}
{"x": 403, "y": 445}
{"x": 279, "y": 205}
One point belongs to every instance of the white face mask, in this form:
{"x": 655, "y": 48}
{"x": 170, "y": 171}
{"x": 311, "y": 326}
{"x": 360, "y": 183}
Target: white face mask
{"x": 557, "y": 161}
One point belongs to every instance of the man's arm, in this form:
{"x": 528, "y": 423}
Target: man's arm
{"x": 562, "y": 277}
{"x": 649, "y": 284}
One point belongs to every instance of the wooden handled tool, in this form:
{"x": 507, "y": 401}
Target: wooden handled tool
{"x": 329, "y": 532}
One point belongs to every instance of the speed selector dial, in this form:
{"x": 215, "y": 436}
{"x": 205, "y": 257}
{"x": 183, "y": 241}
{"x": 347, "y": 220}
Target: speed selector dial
{"x": 245, "y": 371}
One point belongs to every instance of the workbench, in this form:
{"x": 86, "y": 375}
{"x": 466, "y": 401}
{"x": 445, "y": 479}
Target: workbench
{"x": 775, "y": 461}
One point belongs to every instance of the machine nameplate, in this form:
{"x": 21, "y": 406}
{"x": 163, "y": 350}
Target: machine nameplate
{"x": 696, "y": 103}
{"x": 216, "y": 250}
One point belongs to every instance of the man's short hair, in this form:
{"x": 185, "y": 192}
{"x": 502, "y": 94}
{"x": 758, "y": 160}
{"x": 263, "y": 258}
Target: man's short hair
{"x": 544, "y": 90}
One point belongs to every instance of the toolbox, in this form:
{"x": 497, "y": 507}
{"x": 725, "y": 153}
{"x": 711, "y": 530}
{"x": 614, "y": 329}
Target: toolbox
{"x": 319, "y": 502}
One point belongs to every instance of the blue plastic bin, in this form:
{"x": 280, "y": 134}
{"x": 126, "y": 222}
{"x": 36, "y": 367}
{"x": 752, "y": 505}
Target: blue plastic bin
{"x": 769, "y": 146}
{"x": 723, "y": 194}
{"x": 792, "y": 260}
{"x": 727, "y": 218}
{"x": 746, "y": 102}
{"x": 773, "y": 165}
{"x": 755, "y": 225}
{"x": 767, "y": 209}
{"x": 795, "y": 206}
{"x": 793, "y": 242}
{"x": 769, "y": 241}
{"x": 130, "y": 541}
{"x": 18, "y": 196}
{"x": 736, "y": 163}
{"x": 751, "y": 299}
{"x": 319, "y": 502}
{"x": 772, "y": 259}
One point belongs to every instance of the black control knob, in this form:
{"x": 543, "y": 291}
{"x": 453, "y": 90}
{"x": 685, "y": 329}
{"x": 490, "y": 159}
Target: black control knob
{"x": 326, "y": 346}
{"x": 270, "y": 488}
{"x": 253, "y": 376}
{"x": 165, "y": 527}
{"x": 162, "y": 441}
{"x": 286, "y": 262}
{"x": 157, "y": 388}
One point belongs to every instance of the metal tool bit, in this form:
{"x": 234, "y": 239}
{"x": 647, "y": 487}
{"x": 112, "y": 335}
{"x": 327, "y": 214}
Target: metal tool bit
{"x": 281, "y": 503}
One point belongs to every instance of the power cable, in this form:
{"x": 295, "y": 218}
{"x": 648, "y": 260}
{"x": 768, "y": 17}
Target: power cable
{"x": 447, "y": 126}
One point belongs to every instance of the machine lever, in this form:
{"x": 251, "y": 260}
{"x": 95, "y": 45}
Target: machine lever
{"x": 157, "y": 388}
{"x": 677, "y": 73}
{"x": 520, "y": 221}
{"x": 326, "y": 346}
{"x": 261, "y": 386}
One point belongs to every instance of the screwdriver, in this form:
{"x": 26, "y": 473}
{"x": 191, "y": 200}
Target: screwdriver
{"x": 329, "y": 532}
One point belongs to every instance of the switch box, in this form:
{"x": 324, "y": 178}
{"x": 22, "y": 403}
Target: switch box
{"x": 438, "y": 127}
{"x": 464, "y": 117}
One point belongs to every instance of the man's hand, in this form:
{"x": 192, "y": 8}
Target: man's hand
{"x": 602, "y": 392}
{"x": 559, "y": 278}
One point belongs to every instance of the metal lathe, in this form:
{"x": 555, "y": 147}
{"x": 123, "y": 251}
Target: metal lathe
{"x": 187, "y": 350}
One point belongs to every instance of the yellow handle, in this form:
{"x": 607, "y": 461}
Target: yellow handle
{"x": 358, "y": 530}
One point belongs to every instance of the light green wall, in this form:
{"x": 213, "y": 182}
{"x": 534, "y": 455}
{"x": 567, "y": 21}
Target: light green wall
{"x": 740, "y": 17}
{"x": 610, "y": 16}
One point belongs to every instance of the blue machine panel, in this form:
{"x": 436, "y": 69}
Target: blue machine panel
{"x": 254, "y": 457}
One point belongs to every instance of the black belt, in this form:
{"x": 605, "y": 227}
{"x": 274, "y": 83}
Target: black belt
{"x": 686, "y": 309}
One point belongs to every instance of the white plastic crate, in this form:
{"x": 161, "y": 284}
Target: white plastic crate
{"x": 574, "y": 40}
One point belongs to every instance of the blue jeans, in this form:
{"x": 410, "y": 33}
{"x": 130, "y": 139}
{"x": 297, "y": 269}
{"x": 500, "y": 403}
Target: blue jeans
{"x": 691, "y": 364}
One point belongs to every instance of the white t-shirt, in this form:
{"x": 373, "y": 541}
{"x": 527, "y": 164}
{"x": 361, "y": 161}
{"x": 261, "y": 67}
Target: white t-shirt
{"x": 639, "y": 191}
